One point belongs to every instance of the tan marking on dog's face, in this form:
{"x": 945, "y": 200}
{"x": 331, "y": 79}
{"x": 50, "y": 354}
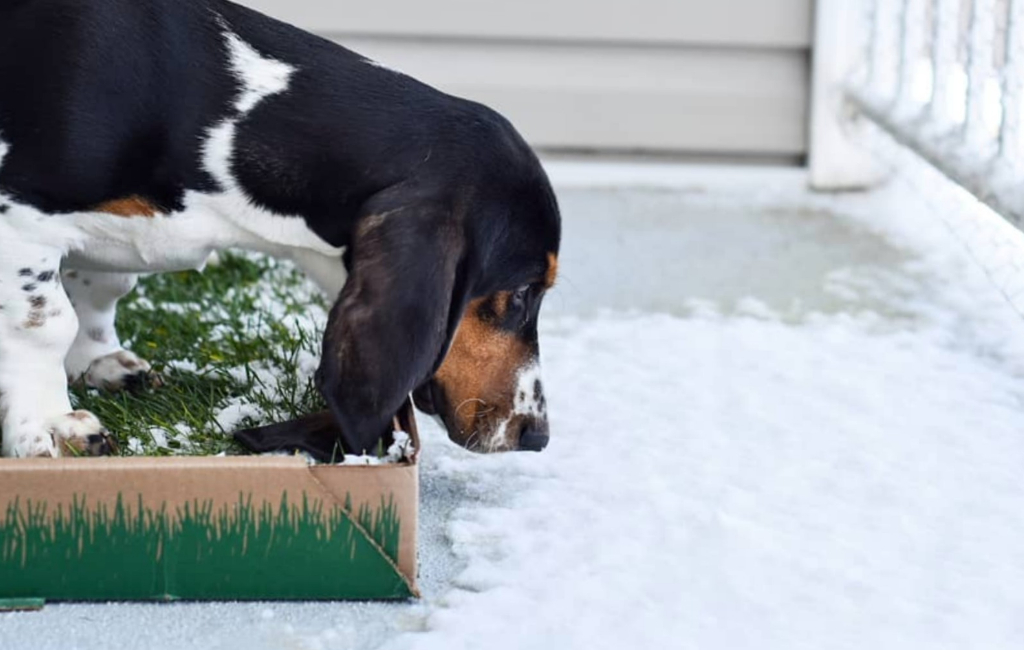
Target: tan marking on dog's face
{"x": 552, "y": 273}
{"x": 131, "y": 206}
{"x": 499, "y": 303}
{"x": 478, "y": 376}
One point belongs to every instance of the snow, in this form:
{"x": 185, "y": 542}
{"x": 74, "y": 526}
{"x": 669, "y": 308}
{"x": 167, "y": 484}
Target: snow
{"x": 231, "y": 416}
{"x": 770, "y": 493}
{"x": 779, "y": 420}
{"x": 398, "y": 451}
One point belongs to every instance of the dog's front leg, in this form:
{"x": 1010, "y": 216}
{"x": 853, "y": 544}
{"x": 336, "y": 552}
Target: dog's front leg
{"x": 37, "y": 327}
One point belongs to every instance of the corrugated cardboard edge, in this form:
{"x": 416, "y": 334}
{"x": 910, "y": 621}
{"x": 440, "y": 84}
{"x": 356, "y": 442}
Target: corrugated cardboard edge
{"x": 222, "y": 479}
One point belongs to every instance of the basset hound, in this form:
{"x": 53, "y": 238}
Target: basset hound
{"x": 140, "y": 136}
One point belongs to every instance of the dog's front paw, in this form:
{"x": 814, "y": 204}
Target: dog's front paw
{"x": 121, "y": 370}
{"x": 79, "y": 433}
{"x": 34, "y": 445}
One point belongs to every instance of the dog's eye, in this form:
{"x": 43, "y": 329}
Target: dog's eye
{"x": 519, "y": 296}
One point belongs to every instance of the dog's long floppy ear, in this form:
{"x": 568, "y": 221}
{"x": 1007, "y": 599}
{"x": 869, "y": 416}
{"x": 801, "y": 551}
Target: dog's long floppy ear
{"x": 315, "y": 434}
{"x": 393, "y": 321}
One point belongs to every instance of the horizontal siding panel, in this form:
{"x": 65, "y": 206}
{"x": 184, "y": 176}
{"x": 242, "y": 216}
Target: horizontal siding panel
{"x": 742, "y": 23}
{"x": 622, "y": 98}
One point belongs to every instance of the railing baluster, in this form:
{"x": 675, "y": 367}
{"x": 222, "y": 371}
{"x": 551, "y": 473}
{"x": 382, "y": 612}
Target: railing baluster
{"x": 1012, "y": 85}
{"x": 960, "y": 132}
{"x": 913, "y": 37}
{"x": 885, "y": 67}
{"x": 869, "y": 51}
{"x": 979, "y": 71}
{"x": 945, "y": 46}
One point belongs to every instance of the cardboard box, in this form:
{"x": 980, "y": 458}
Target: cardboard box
{"x": 207, "y": 528}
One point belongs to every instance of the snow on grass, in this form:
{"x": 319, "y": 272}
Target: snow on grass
{"x": 400, "y": 450}
{"x": 235, "y": 413}
{"x": 237, "y": 344}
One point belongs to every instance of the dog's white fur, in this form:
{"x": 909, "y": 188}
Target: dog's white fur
{"x": 525, "y": 403}
{"x": 96, "y": 354}
{"x": 43, "y": 340}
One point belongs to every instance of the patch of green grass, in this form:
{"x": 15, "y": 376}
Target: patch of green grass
{"x": 198, "y": 551}
{"x": 238, "y": 339}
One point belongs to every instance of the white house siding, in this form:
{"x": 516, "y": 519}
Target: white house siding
{"x": 719, "y": 77}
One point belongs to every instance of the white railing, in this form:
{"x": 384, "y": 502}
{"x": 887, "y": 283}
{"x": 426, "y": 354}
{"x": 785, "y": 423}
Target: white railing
{"x": 946, "y": 79}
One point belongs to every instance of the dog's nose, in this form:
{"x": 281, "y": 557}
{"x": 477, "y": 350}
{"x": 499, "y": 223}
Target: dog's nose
{"x": 534, "y": 437}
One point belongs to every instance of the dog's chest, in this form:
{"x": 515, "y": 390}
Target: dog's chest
{"x": 183, "y": 240}
{"x": 134, "y": 238}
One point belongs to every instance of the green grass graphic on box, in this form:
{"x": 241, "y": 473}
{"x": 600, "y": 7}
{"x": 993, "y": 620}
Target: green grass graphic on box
{"x": 294, "y": 551}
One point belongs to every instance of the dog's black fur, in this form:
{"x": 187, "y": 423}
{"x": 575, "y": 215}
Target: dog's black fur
{"x": 103, "y": 99}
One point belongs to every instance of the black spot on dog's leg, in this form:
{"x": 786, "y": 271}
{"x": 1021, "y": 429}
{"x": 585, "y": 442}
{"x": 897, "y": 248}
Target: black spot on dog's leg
{"x": 29, "y": 287}
{"x": 537, "y": 391}
{"x": 100, "y": 445}
{"x": 25, "y": 272}
{"x": 94, "y": 444}
{"x": 37, "y": 302}
{"x": 139, "y": 382}
{"x": 4, "y": 208}
{"x": 46, "y": 276}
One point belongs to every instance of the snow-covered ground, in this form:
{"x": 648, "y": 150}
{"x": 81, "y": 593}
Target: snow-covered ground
{"x": 780, "y": 420}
